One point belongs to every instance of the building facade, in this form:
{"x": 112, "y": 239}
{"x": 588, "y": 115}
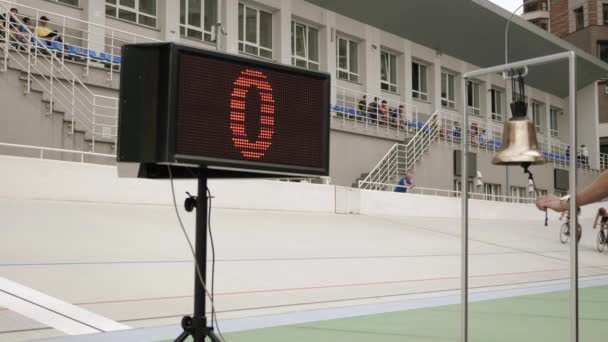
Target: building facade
{"x": 361, "y": 59}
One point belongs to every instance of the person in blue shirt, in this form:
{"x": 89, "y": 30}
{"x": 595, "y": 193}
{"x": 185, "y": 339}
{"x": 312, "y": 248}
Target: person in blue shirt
{"x": 405, "y": 183}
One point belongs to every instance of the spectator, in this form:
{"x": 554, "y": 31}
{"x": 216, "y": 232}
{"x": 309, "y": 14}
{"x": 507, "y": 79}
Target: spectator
{"x": 568, "y": 152}
{"x": 372, "y": 110}
{"x": 482, "y": 137}
{"x": 401, "y": 116}
{"x": 23, "y": 30}
{"x": 362, "y": 105}
{"x": 584, "y": 156}
{"x": 405, "y": 184}
{"x": 392, "y": 112}
{"x": 474, "y": 132}
{"x": 383, "y": 112}
{"x": 12, "y": 21}
{"x": 44, "y": 31}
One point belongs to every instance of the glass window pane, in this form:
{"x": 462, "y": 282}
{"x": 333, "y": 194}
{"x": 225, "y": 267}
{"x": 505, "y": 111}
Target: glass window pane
{"x": 313, "y": 66}
{"x": 194, "y": 13}
{"x": 182, "y": 12}
{"x": 384, "y": 66}
{"x": 300, "y": 41}
{"x": 451, "y": 87}
{"x": 251, "y": 49}
{"x": 343, "y": 75}
{"x": 266, "y": 53}
{"x": 354, "y": 78}
{"x": 469, "y": 93}
{"x": 147, "y": 21}
{"x": 476, "y": 95}
{"x": 415, "y": 77}
{"x": 342, "y": 46}
{"x": 210, "y": 14}
{"x": 266, "y": 29}
{"x": 301, "y": 63}
{"x": 127, "y": 15}
{"x": 147, "y": 7}
{"x": 423, "y": 79}
{"x": 393, "y": 69}
{"x": 113, "y": 2}
{"x": 195, "y": 34}
{"x": 354, "y": 57}
{"x": 251, "y": 21}
{"x": 241, "y": 26}
{"x": 498, "y": 103}
{"x": 444, "y": 88}
{"x": 127, "y": 3}
{"x": 313, "y": 44}
{"x": 111, "y": 11}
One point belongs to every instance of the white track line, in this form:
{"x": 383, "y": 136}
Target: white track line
{"x": 53, "y": 312}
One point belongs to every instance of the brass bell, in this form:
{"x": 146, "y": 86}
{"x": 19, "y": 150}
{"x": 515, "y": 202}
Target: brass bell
{"x": 519, "y": 144}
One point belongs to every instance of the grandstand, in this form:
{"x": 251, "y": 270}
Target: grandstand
{"x": 340, "y": 258}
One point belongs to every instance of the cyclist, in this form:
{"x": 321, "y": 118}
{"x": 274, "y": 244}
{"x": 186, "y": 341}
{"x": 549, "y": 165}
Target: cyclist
{"x": 604, "y": 215}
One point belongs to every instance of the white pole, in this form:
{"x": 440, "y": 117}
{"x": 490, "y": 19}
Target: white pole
{"x": 573, "y": 217}
{"x": 464, "y": 238}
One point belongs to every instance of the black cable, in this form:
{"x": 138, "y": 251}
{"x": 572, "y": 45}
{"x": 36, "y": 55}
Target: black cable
{"x": 213, "y": 310}
{"x": 196, "y": 265}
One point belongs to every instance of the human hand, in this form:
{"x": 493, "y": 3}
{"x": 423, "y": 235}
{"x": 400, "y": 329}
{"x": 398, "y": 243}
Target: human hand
{"x": 551, "y": 202}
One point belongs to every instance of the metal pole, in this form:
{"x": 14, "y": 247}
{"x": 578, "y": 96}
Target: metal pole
{"x": 199, "y": 321}
{"x": 573, "y": 217}
{"x": 464, "y": 238}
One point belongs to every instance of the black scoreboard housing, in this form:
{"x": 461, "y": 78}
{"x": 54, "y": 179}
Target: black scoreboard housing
{"x": 148, "y": 111}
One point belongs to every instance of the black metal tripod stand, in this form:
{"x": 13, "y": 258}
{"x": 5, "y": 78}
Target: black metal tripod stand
{"x": 196, "y": 326}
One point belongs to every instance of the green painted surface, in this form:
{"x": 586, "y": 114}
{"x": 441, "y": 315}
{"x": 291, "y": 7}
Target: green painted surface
{"x": 541, "y": 317}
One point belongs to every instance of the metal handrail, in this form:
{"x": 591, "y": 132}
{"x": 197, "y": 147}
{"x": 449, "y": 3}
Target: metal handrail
{"x": 42, "y": 149}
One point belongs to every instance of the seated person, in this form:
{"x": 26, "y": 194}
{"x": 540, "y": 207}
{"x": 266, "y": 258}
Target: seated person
{"x": 44, "y": 31}
{"x": 23, "y": 30}
{"x": 12, "y": 21}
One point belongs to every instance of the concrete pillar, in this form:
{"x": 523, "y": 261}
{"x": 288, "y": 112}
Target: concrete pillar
{"x": 371, "y": 61}
{"x": 168, "y": 19}
{"x": 406, "y": 95}
{"x": 230, "y": 20}
{"x": 435, "y": 85}
{"x": 283, "y": 33}
{"x": 95, "y": 13}
{"x": 327, "y": 52}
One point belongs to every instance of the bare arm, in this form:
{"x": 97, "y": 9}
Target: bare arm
{"x": 595, "y": 192}
{"x": 597, "y": 216}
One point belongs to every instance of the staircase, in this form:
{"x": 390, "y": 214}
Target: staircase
{"x": 89, "y": 117}
{"x": 401, "y": 158}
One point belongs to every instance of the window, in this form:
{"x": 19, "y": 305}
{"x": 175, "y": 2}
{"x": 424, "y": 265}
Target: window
{"x": 255, "y": 31}
{"x": 579, "y": 18}
{"x": 491, "y": 191}
{"x": 197, "y": 19}
{"x": 519, "y": 194}
{"x": 539, "y": 5}
{"x": 348, "y": 58}
{"x": 447, "y": 90}
{"x": 541, "y": 22}
{"x": 388, "y": 72}
{"x": 138, "y": 11}
{"x": 602, "y": 50}
{"x": 458, "y": 186}
{"x": 304, "y": 46}
{"x": 536, "y": 116}
{"x": 473, "y": 98}
{"x": 74, "y": 3}
{"x": 496, "y": 96}
{"x": 419, "y": 90}
{"x": 605, "y": 14}
{"x": 553, "y": 121}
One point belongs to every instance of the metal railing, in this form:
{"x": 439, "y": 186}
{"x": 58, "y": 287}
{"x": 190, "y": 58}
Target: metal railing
{"x": 446, "y": 193}
{"x": 375, "y": 112}
{"x": 402, "y": 158}
{"x": 603, "y": 161}
{"x": 56, "y": 154}
{"x": 97, "y": 114}
{"x": 85, "y": 42}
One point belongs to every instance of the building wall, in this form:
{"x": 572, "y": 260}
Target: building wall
{"x": 559, "y": 17}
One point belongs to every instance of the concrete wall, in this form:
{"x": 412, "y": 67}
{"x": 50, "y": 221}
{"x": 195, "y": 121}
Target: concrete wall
{"x": 352, "y": 154}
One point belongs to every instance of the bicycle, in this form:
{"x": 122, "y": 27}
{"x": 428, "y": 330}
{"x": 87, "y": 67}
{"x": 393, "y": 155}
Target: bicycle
{"x": 602, "y": 237}
{"x": 564, "y": 233}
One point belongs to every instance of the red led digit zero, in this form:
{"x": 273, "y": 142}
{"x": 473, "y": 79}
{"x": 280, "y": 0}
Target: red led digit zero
{"x": 247, "y": 79}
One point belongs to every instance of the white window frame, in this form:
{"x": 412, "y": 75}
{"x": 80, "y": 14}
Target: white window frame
{"x": 62, "y": 2}
{"x": 244, "y": 42}
{"x": 476, "y": 87}
{"x": 537, "y": 115}
{"x": 306, "y": 59}
{"x": 496, "y": 100}
{"x": 553, "y": 121}
{"x": 519, "y": 193}
{"x": 449, "y": 101}
{"x": 420, "y": 94}
{"x": 390, "y": 84}
{"x": 206, "y": 36}
{"x": 458, "y": 186}
{"x": 351, "y": 75}
{"x": 492, "y": 192}
{"x": 134, "y": 10}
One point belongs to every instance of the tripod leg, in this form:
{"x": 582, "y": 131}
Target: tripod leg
{"x": 182, "y": 337}
{"x": 214, "y": 337}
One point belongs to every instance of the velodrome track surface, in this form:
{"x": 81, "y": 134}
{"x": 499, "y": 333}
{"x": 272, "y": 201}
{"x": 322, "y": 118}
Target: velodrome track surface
{"x": 130, "y": 263}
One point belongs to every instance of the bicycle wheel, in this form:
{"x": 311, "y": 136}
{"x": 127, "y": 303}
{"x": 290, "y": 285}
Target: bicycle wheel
{"x": 601, "y": 241}
{"x": 579, "y": 233}
{"x": 564, "y": 235}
